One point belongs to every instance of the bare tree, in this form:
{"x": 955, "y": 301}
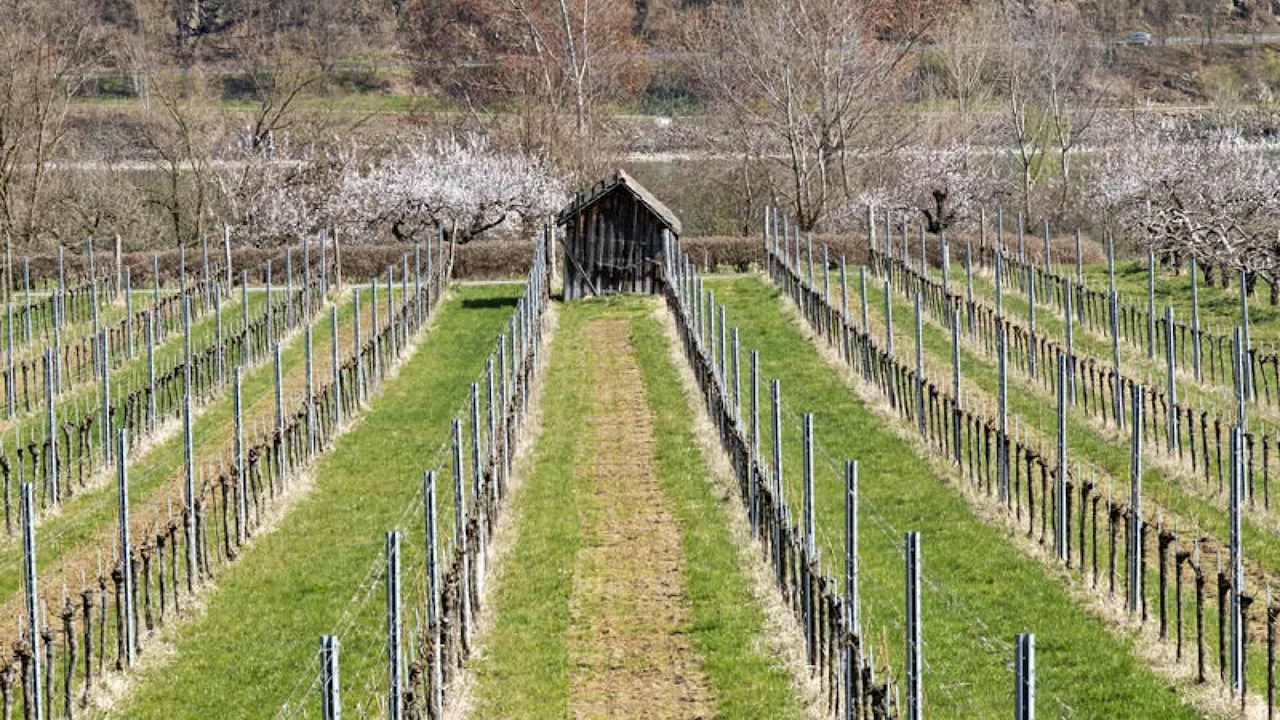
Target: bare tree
{"x": 967, "y": 51}
{"x": 183, "y": 130}
{"x": 45, "y": 49}
{"x": 1047, "y": 100}
{"x": 551, "y": 60}
{"x": 812, "y": 79}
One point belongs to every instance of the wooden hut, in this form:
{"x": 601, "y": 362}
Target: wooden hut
{"x": 613, "y": 239}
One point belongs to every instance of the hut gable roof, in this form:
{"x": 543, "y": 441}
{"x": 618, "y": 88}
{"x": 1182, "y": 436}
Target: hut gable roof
{"x": 620, "y": 178}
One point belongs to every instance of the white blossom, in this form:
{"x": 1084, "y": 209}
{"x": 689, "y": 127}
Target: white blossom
{"x": 1216, "y": 199}
{"x": 462, "y": 183}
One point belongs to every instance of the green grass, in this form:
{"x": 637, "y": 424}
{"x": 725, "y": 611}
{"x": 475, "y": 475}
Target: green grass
{"x": 129, "y": 374}
{"x": 109, "y": 314}
{"x": 257, "y": 642}
{"x": 728, "y": 624}
{"x": 525, "y": 671}
{"x": 1035, "y": 406}
{"x": 1219, "y": 308}
{"x": 1208, "y": 394}
{"x": 979, "y": 591}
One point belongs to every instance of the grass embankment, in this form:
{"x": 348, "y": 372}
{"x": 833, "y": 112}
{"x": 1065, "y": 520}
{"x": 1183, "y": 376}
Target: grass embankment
{"x": 126, "y": 375}
{"x": 979, "y": 591}
{"x": 527, "y": 667}
{"x": 110, "y": 312}
{"x": 69, "y": 538}
{"x": 1219, "y": 307}
{"x": 257, "y": 642}
{"x": 1208, "y": 394}
{"x": 1107, "y": 453}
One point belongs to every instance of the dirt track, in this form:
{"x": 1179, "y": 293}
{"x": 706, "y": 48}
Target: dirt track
{"x": 630, "y": 655}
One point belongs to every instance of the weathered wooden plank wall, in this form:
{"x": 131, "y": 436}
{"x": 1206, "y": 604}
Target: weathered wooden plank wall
{"x": 612, "y": 246}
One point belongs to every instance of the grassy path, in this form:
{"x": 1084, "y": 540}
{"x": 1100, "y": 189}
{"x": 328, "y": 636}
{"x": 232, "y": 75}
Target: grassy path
{"x": 257, "y": 642}
{"x": 612, "y": 604}
{"x": 979, "y": 591}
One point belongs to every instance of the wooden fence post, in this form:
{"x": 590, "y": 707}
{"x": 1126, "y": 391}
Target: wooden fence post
{"x": 1069, "y": 323}
{"x": 93, "y": 289}
{"x": 27, "y": 509}
{"x": 919, "y": 335}
{"x": 1171, "y": 425}
{"x": 26, "y": 283}
{"x": 311, "y": 393}
{"x": 968, "y": 287}
{"x": 1195, "y": 320}
{"x": 244, "y": 308}
{"x": 737, "y": 376}
{"x": 242, "y": 512}
{"x": 1000, "y": 280}
{"x": 1002, "y": 445}
{"x": 128, "y": 311}
{"x": 460, "y": 537}
{"x": 11, "y": 393}
{"x": 753, "y": 502}
{"x": 306, "y": 275}
{"x": 779, "y": 499}
{"x": 1151, "y": 303}
{"x": 1237, "y": 560}
{"x": 946, "y": 282}
{"x": 279, "y": 392}
{"x": 337, "y": 366}
{"x": 1060, "y": 502}
{"x": 1031, "y": 323}
{"x": 204, "y": 271}
{"x": 189, "y": 487}
{"x": 290, "y": 316}
{"x": 226, "y": 254}
{"x": 435, "y": 695}
{"x": 219, "y": 354}
{"x": 152, "y": 420}
{"x": 51, "y": 417}
{"x": 810, "y": 545}
{"x": 271, "y": 325}
{"x": 104, "y": 359}
{"x": 853, "y": 617}
{"x": 1114, "y": 304}
{"x": 478, "y": 492}
{"x": 888, "y": 319}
